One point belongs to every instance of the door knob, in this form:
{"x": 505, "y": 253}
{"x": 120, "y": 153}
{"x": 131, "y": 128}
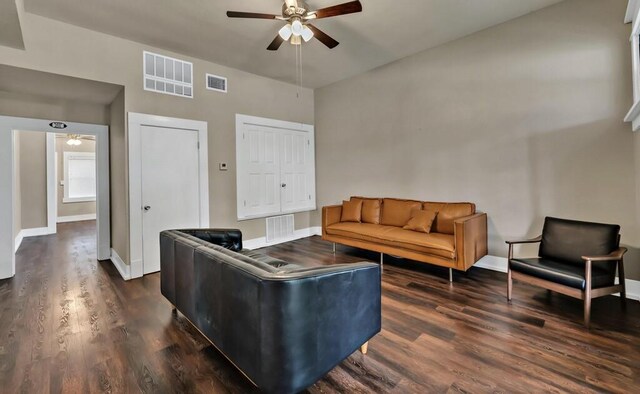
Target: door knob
{"x": 146, "y": 207}
{"x": 284, "y": 185}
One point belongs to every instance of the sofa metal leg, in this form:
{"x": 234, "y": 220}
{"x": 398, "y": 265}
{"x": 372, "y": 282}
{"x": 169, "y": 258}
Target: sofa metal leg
{"x": 451, "y": 275}
{"x": 364, "y": 347}
{"x": 334, "y": 248}
{"x": 381, "y": 261}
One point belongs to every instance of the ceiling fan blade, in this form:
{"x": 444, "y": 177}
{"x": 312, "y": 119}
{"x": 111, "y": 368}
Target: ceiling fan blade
{"x": 253, "y": 15}
{"x": 323, "y": 37}
{"x": 340, "y": 9}
{"x": 275, "y": 44}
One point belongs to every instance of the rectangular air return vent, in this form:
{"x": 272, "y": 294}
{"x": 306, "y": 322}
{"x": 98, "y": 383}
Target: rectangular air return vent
{"x": 217, "y": 83}
{"x": 279, "y": 228}
{"x": 167, "y": 75}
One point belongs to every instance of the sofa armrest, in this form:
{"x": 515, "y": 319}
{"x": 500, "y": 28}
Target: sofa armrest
{"x": 330, "y": 215}
{"x": 616, "y": 255}
{"x": 470, "y": 233}
{"x": 228, "y": 238}
{"x": 525, "y": 241}
{"x": 313, "y": 322}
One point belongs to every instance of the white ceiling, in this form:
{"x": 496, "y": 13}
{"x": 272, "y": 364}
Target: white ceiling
{"x": 385, "y": 31}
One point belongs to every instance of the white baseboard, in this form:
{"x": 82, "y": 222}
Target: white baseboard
{"x": 257, "y": 243}
{"x": 137, "y": 269}
{"x": 18, "y": 241}
{"x": 76, "y": 218}
{"x": 495, "y": 263}
{"x": 123, "y": 269}
{"x": 30, "y": 232}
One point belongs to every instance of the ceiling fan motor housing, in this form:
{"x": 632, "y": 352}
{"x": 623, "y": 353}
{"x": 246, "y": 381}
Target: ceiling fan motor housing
{"x": 297, "y": 9}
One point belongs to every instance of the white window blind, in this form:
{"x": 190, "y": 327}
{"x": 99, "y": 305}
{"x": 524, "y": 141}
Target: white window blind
{"x": 79, "y": 176}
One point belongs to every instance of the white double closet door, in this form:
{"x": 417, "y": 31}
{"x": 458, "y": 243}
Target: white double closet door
{"x": 170, "y": 186}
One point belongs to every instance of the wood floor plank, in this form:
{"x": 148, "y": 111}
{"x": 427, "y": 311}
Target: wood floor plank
{"x": 70, "y": 324}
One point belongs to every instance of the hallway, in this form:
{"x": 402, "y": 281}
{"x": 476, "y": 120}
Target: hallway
{"x": 69, "y": 323}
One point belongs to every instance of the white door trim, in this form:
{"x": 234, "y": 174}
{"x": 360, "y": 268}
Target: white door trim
{"x": 8, "y": 126}
{"x": 52, "y": 198}
{"x": 136, "y": 121}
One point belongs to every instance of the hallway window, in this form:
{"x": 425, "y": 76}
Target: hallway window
{"x": 79, "y": 176}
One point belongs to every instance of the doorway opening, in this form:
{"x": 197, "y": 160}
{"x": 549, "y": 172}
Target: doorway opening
{"x": 14, "y": 161}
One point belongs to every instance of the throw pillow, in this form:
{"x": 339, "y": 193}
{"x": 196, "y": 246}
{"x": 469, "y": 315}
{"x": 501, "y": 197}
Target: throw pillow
{"x": 421, "y": 221}
{"x": 351, "y": 211}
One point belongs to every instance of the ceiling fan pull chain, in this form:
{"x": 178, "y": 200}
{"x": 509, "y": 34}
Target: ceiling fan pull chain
{"x": 301, "y": 66}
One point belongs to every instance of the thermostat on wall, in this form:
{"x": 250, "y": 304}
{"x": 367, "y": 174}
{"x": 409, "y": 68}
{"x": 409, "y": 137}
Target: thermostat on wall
{"x": 223, "y": 166}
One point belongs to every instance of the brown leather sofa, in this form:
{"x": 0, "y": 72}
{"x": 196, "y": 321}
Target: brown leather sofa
{"x": 458, "y": 236}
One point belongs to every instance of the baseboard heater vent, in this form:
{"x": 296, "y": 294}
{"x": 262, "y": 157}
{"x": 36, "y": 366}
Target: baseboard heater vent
{"x": 279, "y": 227}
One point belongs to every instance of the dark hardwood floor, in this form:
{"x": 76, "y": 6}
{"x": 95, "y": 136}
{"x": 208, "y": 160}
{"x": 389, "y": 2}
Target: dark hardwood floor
{"x": 70, "y": 324}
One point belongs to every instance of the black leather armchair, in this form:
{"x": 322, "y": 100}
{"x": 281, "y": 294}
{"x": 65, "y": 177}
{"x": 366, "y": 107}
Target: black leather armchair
{"x": 283, "y": 325}
{"x": 576, "y": 258}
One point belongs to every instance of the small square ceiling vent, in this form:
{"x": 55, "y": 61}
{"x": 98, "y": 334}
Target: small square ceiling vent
{"x": 217, "y": 83}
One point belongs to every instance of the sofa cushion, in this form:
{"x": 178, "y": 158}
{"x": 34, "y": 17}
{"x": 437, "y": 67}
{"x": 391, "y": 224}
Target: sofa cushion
{"x": 351, "y": 211}
{"x": 437, "y": 244}
{"x": 571, "y": 275}
{"x": 421, "y": 221}
{"x": 397, "y": 212}
{"x": 448, "y": 213}
{"x": 370, "y": 209}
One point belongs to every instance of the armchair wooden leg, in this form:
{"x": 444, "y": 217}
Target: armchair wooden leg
{"x": 623, "y": 292}
{"x": 509, "y": 285}
{"x": 587, "y": 311}
{"x": 364, "y": 347}
{"x": 587, "y": 294}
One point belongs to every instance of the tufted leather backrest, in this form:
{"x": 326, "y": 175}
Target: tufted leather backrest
{"x": 283, "y": 325}
{"x": 569, "y": 240}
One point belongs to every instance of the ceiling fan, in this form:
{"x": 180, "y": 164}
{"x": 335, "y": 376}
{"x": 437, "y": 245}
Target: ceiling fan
{"x": 298, "y": 16}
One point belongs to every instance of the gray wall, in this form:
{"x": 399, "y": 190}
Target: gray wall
{"x": 91, "y": 55}
{"x": 524, "y": 119}
{"x": 119, "y": 185}
{"x": 33, "y": 179}
{"x": 71, "y": 208}
{"x": 17, "y": 195}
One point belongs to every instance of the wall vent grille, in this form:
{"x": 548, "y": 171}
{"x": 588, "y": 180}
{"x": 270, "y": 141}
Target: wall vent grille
{"x": 279, "y": 228}
{"x": 217, "y": 83}
{"x": 167, "y": 75}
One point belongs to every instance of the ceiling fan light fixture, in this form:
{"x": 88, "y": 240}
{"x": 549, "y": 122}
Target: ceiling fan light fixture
{"x": 297, "y": 28}
{"x": 74, "y": 139}
{"x": 296, "y": 40}
{"x": 307, "y": 34}
{"x": 285, "y": 33}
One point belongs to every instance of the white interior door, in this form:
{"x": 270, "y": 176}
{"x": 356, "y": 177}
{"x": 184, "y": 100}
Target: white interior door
{"x": 262, "y": 191}
{"x": 295, "y": 180}
{"x": 170, "y": 186}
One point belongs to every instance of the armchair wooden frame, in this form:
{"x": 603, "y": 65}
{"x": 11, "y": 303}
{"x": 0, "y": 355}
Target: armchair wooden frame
{"x": 588, "y": 293}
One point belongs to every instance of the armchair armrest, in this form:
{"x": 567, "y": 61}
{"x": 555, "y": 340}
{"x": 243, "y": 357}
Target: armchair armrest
{"x": 470, "y": 234}
{"x": 330, "y": 215}
{"x": 616, "y": 255}
{"x": 525, "y": 241}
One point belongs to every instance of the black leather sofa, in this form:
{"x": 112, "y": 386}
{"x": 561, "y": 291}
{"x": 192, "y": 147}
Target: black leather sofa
{"x": 283, "y": 325}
